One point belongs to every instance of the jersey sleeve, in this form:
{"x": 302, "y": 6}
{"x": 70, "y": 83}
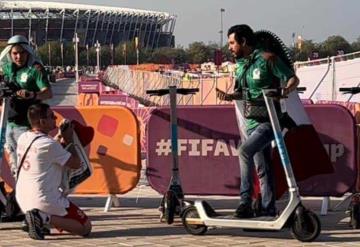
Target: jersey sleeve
{"x": 281, "y": 70}
{"x": 41, "y": 80}
{"x": 58, "y": 154}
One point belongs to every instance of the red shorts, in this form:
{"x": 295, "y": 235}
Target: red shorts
{"x": 75, "y": 213}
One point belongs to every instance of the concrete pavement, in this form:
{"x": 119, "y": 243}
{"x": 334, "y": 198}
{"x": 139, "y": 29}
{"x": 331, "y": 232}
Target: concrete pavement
{"x": 136, "y": 223}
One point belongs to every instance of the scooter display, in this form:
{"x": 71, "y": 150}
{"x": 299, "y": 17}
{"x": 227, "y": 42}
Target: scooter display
{"x": 354, "y": 206}
{"x": 305, "y": 224}
{"x": 173, "y": 199}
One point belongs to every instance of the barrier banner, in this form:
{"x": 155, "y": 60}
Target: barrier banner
{"x": 353, "y": 107}
{"x": 87, "y": 99}
{"x": 114, "y": 152}
{"x": 208, "y": 157}
{"x": 337, "y": 130}
{"x": 117, "y": 99}
{"x": 89, "y": 86}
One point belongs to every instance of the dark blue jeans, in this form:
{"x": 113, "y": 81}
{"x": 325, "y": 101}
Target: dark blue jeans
{"x": 256, "y": 149}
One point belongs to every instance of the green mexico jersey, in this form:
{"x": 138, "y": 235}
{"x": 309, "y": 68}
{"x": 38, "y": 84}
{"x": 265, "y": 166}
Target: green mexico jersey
{"x": 28, "y": 78}
{"x": 263, "y": 67}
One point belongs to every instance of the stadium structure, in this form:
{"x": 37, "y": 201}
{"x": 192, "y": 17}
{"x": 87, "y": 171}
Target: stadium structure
{"x": 50, "y": 21}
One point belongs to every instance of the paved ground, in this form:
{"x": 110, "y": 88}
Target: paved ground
{"x": 136, "y": 221}
{"x": 64, "y": 93}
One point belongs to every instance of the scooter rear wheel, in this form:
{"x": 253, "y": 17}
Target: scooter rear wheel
{"x": 194, "y": 229}
{"x": 355, "y": 216}
{"x": 170, "y": 203}
{"x": 306, "y": 227}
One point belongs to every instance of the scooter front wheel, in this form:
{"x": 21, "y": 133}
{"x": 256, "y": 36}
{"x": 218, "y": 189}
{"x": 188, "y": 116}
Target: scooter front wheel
{"x": 355, "y": 216}
{"x": 170, "y": 203}
{"x": 306, "y": 226}
{"x": 192, "y": 222}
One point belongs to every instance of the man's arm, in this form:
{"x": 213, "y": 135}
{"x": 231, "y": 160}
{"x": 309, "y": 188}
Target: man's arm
{"x": 74, "y": 161}
{"x": 291, "y": 85}
{"x": 43, "y": 83}
{"x": 67, "y": 138}
{"x": 282, "y": 71}
{"x": 43, "y": 94}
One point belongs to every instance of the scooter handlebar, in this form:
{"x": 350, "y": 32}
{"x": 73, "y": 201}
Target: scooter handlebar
{"x": 350, "y": 90}
{"x": 278, "y": 93}
{"x": 164, "y": 91}
{"x": 186, "y": 91}
{"x": 157, "y": 92}
{"x": 301, "y": 89}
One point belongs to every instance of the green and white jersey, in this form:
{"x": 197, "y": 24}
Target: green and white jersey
{"x": 263, "y": 67}
{"x": 28, "y": 78}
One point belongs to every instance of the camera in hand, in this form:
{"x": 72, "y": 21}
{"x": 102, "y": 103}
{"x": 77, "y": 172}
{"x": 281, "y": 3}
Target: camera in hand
{"x": 7, "y": 89}
{"x": 64, "y": 125}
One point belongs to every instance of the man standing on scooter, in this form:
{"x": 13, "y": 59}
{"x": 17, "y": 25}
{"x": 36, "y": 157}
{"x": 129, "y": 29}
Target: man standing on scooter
{"x": 256, "y": 70}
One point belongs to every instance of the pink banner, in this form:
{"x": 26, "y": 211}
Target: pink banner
{"x": 88, "y": 86}
{"x": 208, "y": 156}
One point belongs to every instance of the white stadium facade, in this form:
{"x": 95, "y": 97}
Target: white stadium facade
{"x": 41, "y": 22}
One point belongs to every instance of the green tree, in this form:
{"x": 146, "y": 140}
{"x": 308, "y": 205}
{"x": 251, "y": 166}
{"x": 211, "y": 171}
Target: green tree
{"x": 198, "y": 53}
{"x": 355, "y": 46}
{"x": 333, "y": 44}
{"x": 50, "y": 53}
{"x": 167, "y": 55}
{"x": 304, "y": 52}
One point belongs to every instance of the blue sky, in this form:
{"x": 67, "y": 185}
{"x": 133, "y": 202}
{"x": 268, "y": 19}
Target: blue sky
{"x": 199, "y": 20}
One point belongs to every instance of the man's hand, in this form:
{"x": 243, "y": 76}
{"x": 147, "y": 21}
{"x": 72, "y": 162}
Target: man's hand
{"x": 67, "y": 133}
{"x": 25, "y": 94}
{"x": 222, "y": 95}
{"x": 227, "y": 96}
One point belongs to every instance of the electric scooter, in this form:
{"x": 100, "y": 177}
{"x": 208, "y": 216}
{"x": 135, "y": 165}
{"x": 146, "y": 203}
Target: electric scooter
{"x": 354, "y": 206}
{"x": 173, "y": 199}
{"x": 305, "y": 225}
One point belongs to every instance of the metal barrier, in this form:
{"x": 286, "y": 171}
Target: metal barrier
{"x": 135, "y": 83}
{"x": 324, "y": 77}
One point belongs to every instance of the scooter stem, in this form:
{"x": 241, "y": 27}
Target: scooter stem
{"x": 280, "y": 143}
{"x": 174, "y": 135}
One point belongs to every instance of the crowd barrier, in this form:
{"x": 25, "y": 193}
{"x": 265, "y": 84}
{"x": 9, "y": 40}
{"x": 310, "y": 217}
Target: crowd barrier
{"x": 135, "y": 83}
{"x": 354, "y": 108}
{"x": 114, "y": 152}
{"x": 208, "y": 156}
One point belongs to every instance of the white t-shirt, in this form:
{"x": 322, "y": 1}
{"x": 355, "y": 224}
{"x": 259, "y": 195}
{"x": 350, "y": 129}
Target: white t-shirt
{"x": 41, "y": 174}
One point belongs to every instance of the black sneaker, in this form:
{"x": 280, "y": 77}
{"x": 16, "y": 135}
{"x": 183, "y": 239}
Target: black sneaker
{"x": 35, "y": 224}
{"x": 269, "y": 212}
{"x": 25, "y": 227}
{"x": 244, "y": 211}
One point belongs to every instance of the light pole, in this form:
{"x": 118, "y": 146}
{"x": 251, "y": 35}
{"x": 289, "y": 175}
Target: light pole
{"x": 49, "y": 53}
{"x": 137, "y": 49}
{"x": 112, "y": 53}
{"x": 97, "y": 46}
{"x": 221, "y": 27}
{"x": 76, "y": 41}
{"x": 62, "y": 53}
{"x": 87, "y": 55}
{"x": 124, "y": 52}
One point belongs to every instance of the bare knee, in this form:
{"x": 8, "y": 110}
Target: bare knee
{"x": 86, "y": 228}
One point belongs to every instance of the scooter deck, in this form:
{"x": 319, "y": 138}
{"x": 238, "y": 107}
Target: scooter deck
{"x": 233, "y": 217}
{"x": 211, "y": 213}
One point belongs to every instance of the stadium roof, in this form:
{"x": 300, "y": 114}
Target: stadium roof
{"x": 60, "y": 6}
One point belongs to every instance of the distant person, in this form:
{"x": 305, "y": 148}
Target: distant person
{"x": 40, "y": 176}
{"x": 24, "y": 70}
{"x": 256, "y": 70}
